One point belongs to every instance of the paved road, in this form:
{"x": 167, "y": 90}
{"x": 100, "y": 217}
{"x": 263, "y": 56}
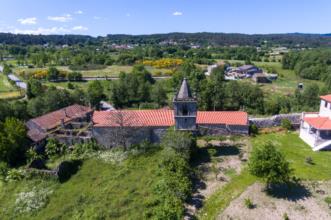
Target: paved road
{"x": 17, "y": 81}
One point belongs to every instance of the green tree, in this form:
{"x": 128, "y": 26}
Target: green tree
{"x": 269, "y": 164}
{"x": 95, "y": 93}
{"x": 34, "y": 88}
{"x": 53, "y": 73}
{"x": 182, "y": 142}
{"x": 6, "y": 69}
{"x": 12, "y": 141}
{"x": 159, "y": 94}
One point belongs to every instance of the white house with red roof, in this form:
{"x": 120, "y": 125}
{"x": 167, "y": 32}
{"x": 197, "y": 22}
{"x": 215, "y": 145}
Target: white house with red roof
{"x": 315, "y": 127}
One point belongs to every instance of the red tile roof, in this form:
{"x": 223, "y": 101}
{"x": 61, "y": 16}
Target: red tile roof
{"x": 326, "y": 98}
{"x": 163, "y": 118}
{"x": 320, "y": 123}
{"x": 222, "y": 117}
{"x": 36, "y": 135}
{"x": 134, "y": 118}
{"x": 53, "y": 119}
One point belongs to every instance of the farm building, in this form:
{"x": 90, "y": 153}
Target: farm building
{"x": 124, "y": 127}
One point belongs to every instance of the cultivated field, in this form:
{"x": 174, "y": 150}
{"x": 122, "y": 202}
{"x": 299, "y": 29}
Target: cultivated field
{"x": 109, "y": 71}
{"x": 7, "y": 90}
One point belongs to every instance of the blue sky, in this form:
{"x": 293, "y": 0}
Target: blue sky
{"x": 101, "y": 17}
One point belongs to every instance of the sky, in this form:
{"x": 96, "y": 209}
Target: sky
{"x": 102, "y": 17}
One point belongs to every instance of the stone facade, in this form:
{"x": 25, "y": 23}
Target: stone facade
{"x": 114, "y": 136}
{"x": 223, "y": 129}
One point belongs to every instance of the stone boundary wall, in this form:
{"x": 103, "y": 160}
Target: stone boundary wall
{"x": 276, "y": 120}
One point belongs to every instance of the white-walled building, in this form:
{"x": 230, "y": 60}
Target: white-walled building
{"x": 315, "y": 127}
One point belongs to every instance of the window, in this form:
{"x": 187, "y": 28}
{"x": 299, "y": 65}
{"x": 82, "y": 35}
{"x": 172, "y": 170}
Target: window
{"x": 325, "y": 104}
{"x": 184, "y": 110}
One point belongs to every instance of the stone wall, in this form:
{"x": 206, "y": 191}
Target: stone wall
{"x": 106, "y": 136}
{"x": 276, "y": 120}
{"x": 223, "y": 129}
{"x": 109, "y": 136}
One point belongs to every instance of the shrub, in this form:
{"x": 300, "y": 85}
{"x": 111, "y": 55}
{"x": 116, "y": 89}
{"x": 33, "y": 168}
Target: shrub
{"x": 85, "y": 150}
{"x": 3, "y": 170}
{"x": 15, "y": 175}
{"x": 74, "y": 76}
{"x": 309, "y": 160}
{"x": 286, "y": 124}
{"x": 248, "y": 203}
{"x": 174, "y": 186}
{"x": 182, "y": 142}
{"x": 54, "y": 149}
{"x": 253, "y": 130}
{"x": 70, "y": 86}
{"x": 328, "y": 201}
{"x": 285, "y": 216}
{"x": 32, "y": 155}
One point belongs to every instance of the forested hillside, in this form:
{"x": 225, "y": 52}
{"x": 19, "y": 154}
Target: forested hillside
{"x": 216, "y": 39}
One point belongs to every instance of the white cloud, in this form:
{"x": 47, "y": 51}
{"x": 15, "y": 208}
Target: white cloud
{"x": 40, "y": 30}
{"x": 128, "y": 15}
{"x": 27, "y": 21}
{"x": 79, "y": 12}
{"x": 177, "y": 13}
{"x": 96, "y": 18}
{"x": 63, "y": 18}
{"x": 79, "y": 28}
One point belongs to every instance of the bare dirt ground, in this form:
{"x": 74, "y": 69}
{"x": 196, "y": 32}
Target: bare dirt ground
{"x": 218, "y": 162}
{"x": 301, "y": 203}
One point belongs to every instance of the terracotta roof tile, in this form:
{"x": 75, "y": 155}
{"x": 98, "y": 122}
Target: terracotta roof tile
{"x": 163, "y": 118}
{"x": 53, "y": 119}
{"x": 320, "y": 123}
{"x": 134, "y": 118}
{"x": 326, "y": 97}
{"x": 36, "y": 135}
{"x": 222, "y": 117}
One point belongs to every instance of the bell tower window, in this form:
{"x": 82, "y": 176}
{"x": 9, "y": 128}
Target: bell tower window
{"x": 184, "y": 110}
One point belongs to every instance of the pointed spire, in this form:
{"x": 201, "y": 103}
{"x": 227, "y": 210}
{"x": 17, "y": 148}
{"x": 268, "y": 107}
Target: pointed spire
{"x": 184, "y": 92}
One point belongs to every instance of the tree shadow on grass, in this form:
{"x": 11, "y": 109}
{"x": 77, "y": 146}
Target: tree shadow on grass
{"x": 68, "y": 168}
{"x": 205, "y": 154}
{"x": 292, "y": 192}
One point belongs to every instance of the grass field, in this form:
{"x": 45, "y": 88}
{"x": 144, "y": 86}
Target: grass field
{"x": 98, "y": 191}
{"x": 7, "y": 90}
{"x": 81, "y": 85}
{"x": 5, "y": 86}
{"x": 109, "y": 71}
{"x": 296, "y": 151}
{"x": 287, "y": 80}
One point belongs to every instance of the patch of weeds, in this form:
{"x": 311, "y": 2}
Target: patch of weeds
{"x": 327, "y": 200}
{"x": 309, "y": 161}
{"x": 31, "y": 201}
{"x": 113, "y": 156}
{"x": 285, "y": 216}
{"x": 230, "y": 172}
{"x": 249, "y": 204}
{"x": 212, "y": 152}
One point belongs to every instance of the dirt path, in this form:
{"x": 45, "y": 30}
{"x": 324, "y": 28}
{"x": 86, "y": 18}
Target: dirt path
{"x": 219, "y": 162}
{"x": 306, "y": 203}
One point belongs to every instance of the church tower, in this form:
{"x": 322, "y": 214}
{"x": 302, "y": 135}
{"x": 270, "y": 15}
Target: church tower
{"x": 185, "y": 108}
